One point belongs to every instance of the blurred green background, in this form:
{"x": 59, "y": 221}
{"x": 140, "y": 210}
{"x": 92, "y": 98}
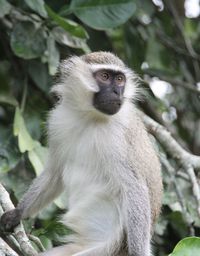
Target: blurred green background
{"x": 158, "y": 39}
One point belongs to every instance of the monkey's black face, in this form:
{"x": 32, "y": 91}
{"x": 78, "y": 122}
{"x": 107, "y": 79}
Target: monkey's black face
{"x": 110, "y": 96}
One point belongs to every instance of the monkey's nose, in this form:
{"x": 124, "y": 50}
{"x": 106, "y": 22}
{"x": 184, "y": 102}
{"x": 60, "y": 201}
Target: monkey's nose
{"x": 118, "y": 91}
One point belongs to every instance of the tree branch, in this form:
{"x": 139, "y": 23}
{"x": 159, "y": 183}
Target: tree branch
{"x": 170, "y": 144}
{"x": 187, "y": 160}
{"x": 5, "y": 250}
{"x": 19, "y": 232}
{"x": 37, "y": 242}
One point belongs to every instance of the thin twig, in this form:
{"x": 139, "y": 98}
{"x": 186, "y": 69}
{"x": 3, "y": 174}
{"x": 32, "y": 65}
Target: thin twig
{"x": 182, "y": 175}
{"x": 24, "y": 96}
{"x": 171, "y": 172}
{"x": 195, "y": 185}
{"x": 187, "y": 41}
{"x": 167, "y": 41}
{"x": 175, "y": 82}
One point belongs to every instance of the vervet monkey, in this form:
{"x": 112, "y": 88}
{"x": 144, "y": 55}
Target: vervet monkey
{"x": 101, "y": 157}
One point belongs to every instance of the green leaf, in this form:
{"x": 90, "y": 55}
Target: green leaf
{"x": 17, "y": 181}
{"x": 37, "y": 6}
{"x": 5, "y": 8}
{"x": 178, "y": 223}
{"x": 9, "y": 153}
{"x": 36, "y": 152}
{"x": 8, "y": 99}
{"x": 65, "y": 10}
{"x": 103, "y": 14}
{"x": 63, "y": 37}
{"x": 55, "y": 229}
{"x": 53, "y": 55}
{"x": 27, "y": 41}
{"x": 37, "y": 157}
{"x": 47, "y": 243}
{"x": 189, "y": 246}
{"x": 25, "y": 142}
{"x": 70, "y": 26}
{"x": 39, "y": 74}
{"x": 190, "y": 29}
{"x": 153, "y": 55}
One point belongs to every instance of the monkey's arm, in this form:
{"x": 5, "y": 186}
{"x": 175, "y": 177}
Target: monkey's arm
{"x": 137, "y": 218}
{"x": 43, "y": 190}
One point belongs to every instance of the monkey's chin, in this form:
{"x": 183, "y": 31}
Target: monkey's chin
{"x": 108, "y": 108}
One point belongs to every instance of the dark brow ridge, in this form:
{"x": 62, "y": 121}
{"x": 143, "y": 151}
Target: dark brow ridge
{"x": 116, "y": 72}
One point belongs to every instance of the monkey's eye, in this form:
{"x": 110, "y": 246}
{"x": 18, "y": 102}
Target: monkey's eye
{"x": 120, "y": 79}
{"x": 104, "y": 76}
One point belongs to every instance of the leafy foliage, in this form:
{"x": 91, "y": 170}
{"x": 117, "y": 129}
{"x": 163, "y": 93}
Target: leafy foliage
{"x": 35, "y": 35}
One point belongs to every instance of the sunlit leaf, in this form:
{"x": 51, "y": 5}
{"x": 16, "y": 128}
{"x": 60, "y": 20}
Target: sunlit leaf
{"x": 53, "y": 55}
{"x": 103, "y": 14}
{"x": 37, "y": 157}
{"x": 25, "y": 142}
{"x": 36, "y": 152}
{"x": 189, "y": 246}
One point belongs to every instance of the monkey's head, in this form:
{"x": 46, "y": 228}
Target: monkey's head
{"x": 95, "y": 82}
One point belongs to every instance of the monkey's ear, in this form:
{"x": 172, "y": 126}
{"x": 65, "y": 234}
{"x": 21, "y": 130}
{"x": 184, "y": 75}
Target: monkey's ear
{"x": 56, "y": 93}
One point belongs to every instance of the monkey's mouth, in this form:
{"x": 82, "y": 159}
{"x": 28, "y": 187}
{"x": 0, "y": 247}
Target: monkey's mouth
{"x": 109, "y": 107}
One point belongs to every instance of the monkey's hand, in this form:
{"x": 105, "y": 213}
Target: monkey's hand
{"x": 9, "y": 220}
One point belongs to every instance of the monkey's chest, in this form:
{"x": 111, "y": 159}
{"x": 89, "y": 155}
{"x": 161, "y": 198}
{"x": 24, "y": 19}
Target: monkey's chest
{"x": 92, "y": 204}
{"x": 84, "y": 180}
